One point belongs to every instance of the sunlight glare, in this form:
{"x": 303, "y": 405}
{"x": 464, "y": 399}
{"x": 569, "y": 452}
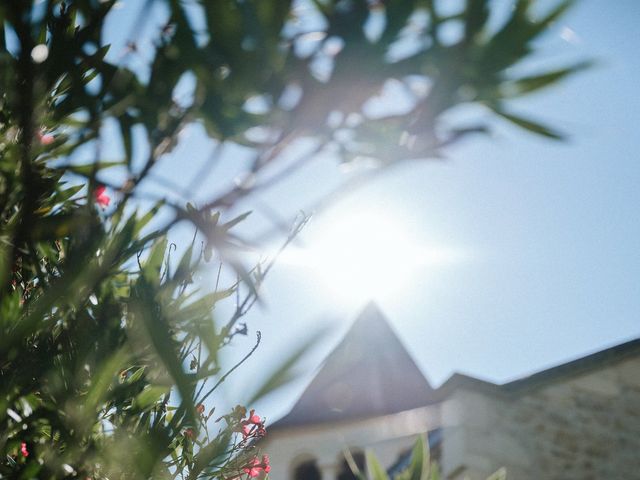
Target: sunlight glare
{"x": 366, "y": 256}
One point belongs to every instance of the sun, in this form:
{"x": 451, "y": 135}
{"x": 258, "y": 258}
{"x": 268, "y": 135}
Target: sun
{"x": 364, "y": 255}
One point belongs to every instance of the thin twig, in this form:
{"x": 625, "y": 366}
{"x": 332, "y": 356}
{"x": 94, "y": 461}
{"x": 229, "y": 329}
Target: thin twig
{"x": 224, "y": 377}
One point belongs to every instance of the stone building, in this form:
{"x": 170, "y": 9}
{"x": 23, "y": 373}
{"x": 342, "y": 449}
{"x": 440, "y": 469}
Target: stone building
{"x": 579, "y": 420}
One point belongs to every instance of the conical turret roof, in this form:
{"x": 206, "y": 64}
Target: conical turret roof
{"x": 369, "y": 373}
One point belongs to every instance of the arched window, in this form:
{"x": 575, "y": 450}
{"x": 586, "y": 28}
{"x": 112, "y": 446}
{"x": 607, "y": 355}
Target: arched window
{"x": 346, "y": 470}
{"x": 307, "y": 470}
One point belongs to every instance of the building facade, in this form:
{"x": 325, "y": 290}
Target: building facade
{"x": 576, "y": 421}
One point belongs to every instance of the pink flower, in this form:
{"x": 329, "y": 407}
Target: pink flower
{"x": 200, "y": 408}
{"x": 252, "y": 472}
{"x": 23, "y": 449}
{"x": 255, "y": 419}
{"x": 189, "y": 433}
{"x": 45, "y": 138}
{"x": 255, "y": 467}
{"x": 253, "y": 426}
{"x": 101, "y": 197}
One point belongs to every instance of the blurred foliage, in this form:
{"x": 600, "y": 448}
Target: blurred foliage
{"x": 420, "y": 467}
{"x": 107, "y": 350}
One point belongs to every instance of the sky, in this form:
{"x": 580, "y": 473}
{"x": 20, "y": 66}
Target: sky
{"x": 541, "y": 262}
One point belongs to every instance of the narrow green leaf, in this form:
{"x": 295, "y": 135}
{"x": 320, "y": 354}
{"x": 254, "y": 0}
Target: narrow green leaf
{"x": 208, "y": 454}
{"x": 67, "y": 193}
{"x": 155, "y": 330}
{"x": 397, "y": 17}
{"x": 88, "y": 170}
{"x": 201, "y": 307}
{"x": 530, "y": 125}
{"x": 435, "y": 472}
{"x": 137, "y": 375}
{"x": 57, "y": 226}
{"x": 374, "y": 469}
{"x": 149, "y": 396}
{"x": 126, "y": 122}
{"x": 101, "y": 381}
{"x": 419, "y": 467}
{"x": 555, "y": 13}
{"x": 232, "y": 223}
{"x": 536, "y": 82}
{"x": 147, "y": 217}
{"x": 475, "y": 17}
{"x": 153, "y": 264}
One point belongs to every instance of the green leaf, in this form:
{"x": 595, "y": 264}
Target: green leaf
{"x": 475, "y": 17}
{"x": 210, "y": 453}
{"x": 67, "y": 193}
{"x": 419, "y": 467}
{"x": 555, "y": 13}
{"x": 515, "y": 40}
{"x": 530, "y": 125}
{"x": 147, "y": 217}
{"x": 57, "y": 226}
{"x": 149, "y": 396}
{"x": 137, "y": 375}
{"x": 232, "y": 223}
{"x": 200, "y": 307}
{"x": 532, "y": 83}
{"x": 435, "y": 472}
{"x": 397, "y": 16}
{"x": 90, "y": 169}
{"x": 153, "y": 329}
{"x": 101, "y": 382}
{"x": 153, "y": 265}
{"x": 374, "y": 469}
{"x": 126, "y": 123}
{"x": 184, "y": 270}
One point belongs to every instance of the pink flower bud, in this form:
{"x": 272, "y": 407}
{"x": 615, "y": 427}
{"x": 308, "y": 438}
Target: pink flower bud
{"x": 45, "y": 138}
{"x": 101, "y": 197}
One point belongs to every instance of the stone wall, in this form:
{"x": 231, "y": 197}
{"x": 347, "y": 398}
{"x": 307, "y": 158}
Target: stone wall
{"x": 578, "y": 425}
{"x": 582, "y": 427}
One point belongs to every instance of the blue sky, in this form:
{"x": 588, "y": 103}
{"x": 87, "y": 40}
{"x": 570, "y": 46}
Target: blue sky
{"x": 551, "y": 229}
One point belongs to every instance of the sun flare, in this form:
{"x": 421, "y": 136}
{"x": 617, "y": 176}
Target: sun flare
{"x": 364, "y": 256}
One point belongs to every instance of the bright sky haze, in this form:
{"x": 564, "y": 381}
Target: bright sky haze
{"x": 513, "y": 254}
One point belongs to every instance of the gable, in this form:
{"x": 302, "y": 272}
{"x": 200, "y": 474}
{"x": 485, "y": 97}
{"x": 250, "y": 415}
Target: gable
{"x": 370, "y": 373}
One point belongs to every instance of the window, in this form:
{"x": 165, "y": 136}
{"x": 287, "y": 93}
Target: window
{"x": 307, "y": 470}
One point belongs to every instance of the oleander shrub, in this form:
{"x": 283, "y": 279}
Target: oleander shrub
{"x": 109, "y": 351}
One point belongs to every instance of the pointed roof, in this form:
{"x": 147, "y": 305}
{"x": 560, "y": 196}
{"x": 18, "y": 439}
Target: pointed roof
{"x": 370, "y": 373}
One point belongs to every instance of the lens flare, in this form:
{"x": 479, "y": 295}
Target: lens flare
{"x": 366, "y": 256}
